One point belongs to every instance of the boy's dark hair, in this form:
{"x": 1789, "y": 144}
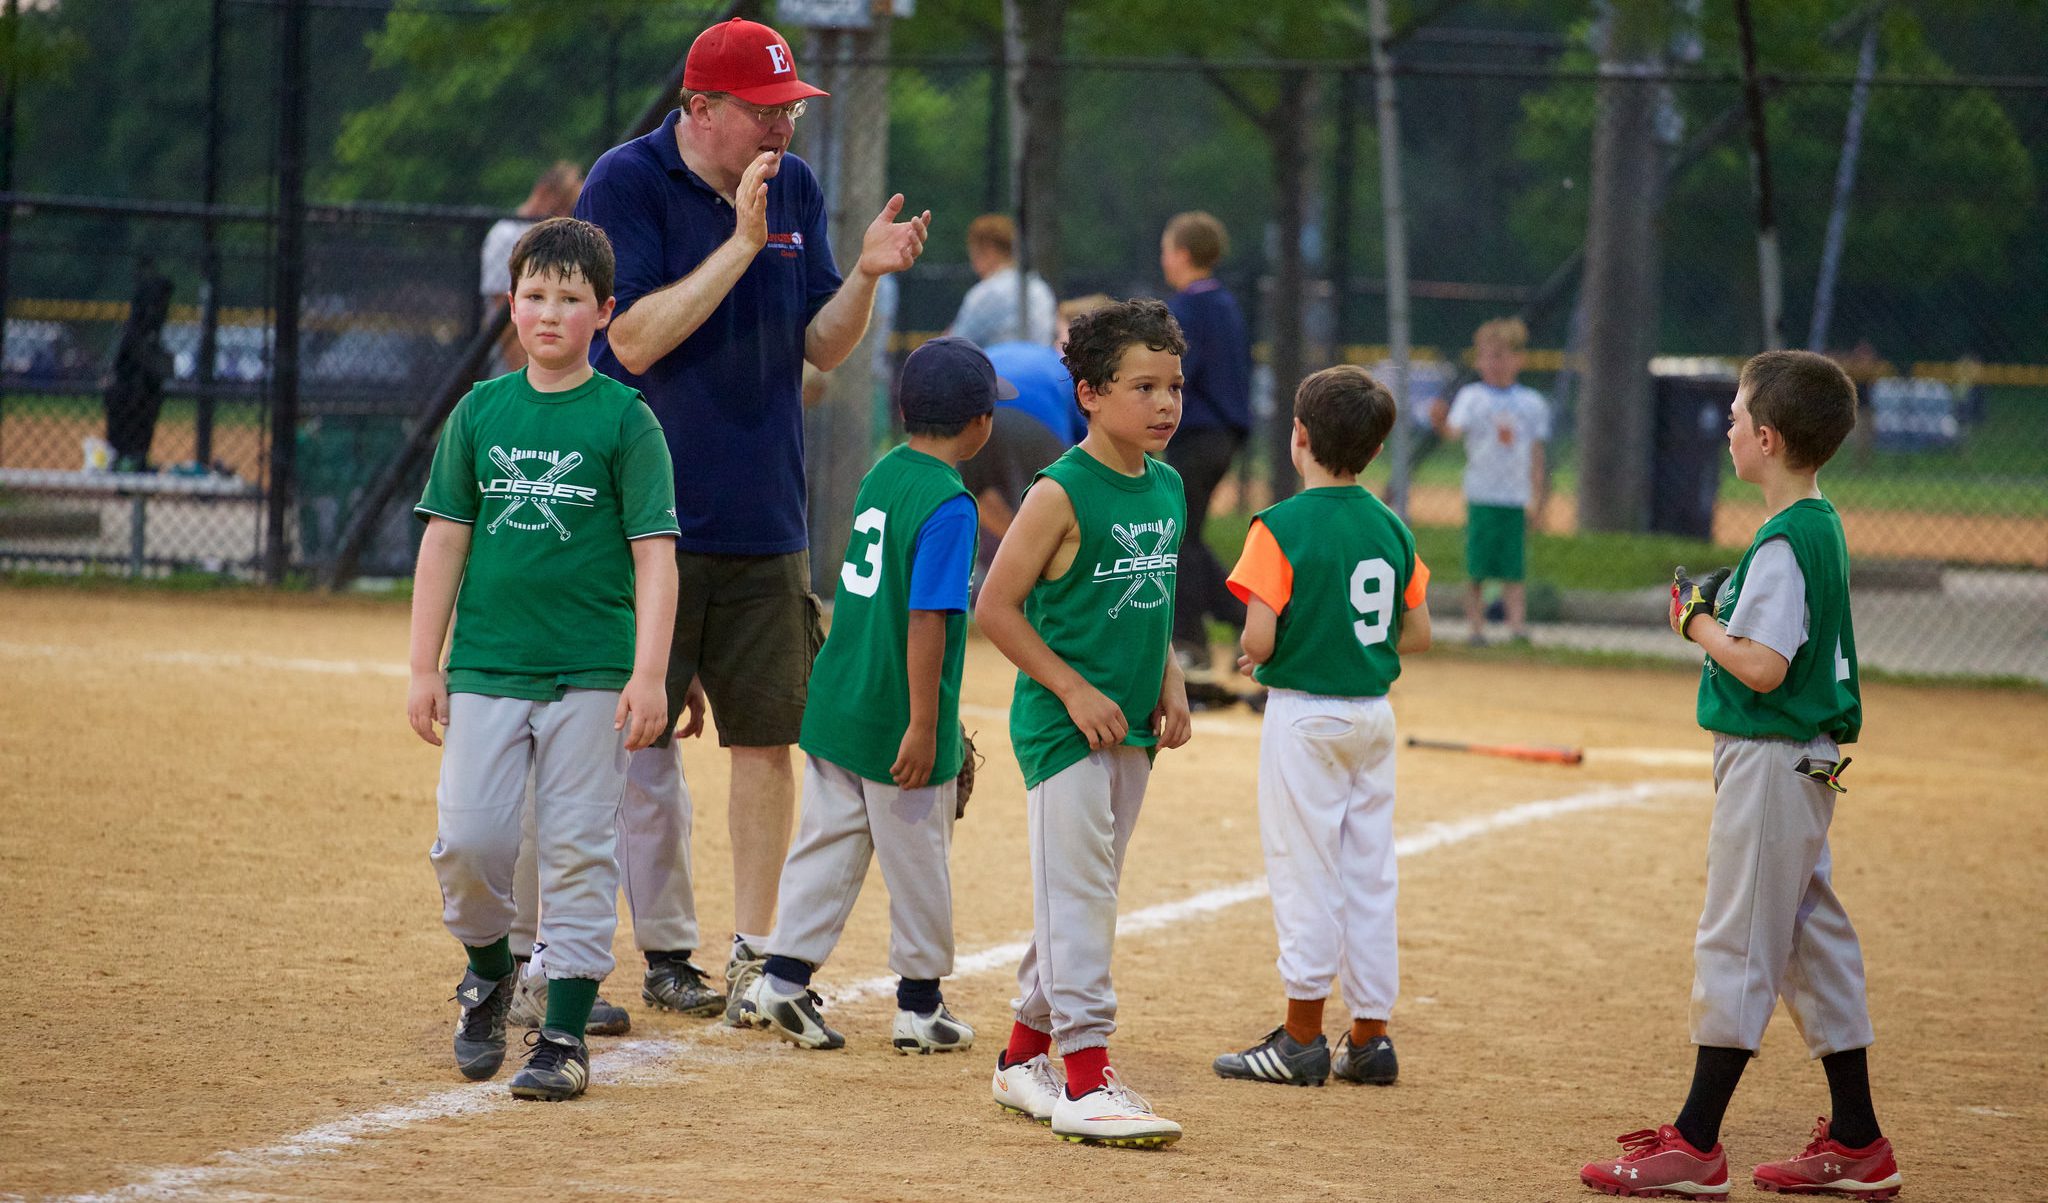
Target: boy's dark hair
{"x": 1807, "y": 398}
{"x": 1096, "y": 340}
{"x": 935, "y": 430}
{"x": 561, "y": 246}
{"x": 1347, "y": 415}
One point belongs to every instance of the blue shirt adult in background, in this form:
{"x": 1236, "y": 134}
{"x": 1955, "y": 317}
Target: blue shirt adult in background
{"x": 726, "y": 287}
{"x": 1215, "y": 417}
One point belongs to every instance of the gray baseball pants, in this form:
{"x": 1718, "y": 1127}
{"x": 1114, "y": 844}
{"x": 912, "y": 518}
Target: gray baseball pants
{"x": 1080, "y": 821}
{"x": 654, "y": 859}
{"x": 1772, "y": 926}
{"x": 848, "y": 821}
{"x": 578, "y": 766}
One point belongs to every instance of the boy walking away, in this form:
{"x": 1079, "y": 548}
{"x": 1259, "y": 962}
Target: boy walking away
{"x": 1080, "y": 598}
{"x": 883, "y": 731}
{"x": 1334, "y": 594}
{"x": 1504, "y": 425}
{"x": 550, "y": 506}
{"x": 1779, "y": 692}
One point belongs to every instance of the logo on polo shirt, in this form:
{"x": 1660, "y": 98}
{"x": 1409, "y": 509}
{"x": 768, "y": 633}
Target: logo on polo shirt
{"x": 789, "y": 244}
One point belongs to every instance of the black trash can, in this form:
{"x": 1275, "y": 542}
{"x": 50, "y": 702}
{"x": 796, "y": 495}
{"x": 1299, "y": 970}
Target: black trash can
{"x": 1685, "y": 456}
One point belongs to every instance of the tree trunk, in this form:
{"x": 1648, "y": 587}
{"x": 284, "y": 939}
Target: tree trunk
{"x": 839, "y": 433}
{"x": 1614, "y": 423}
{"x": 1034, "y": 32}
{"x": 1287, "y": 134}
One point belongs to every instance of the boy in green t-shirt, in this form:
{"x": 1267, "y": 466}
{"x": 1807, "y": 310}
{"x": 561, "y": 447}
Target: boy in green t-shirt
{"x": 1334, "y": 595}
{"x": 551, "y": 508}
{"x": 882, "y": 731}
{"x": 1779, "y": 693}
{"x": 1080, "y": 598}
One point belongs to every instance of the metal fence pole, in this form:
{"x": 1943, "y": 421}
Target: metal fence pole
{"x": 1394, "y": 214}
{"x": 290, "y": 283}
{"x": 209, "y": 235}
{"x": 11, "y": 22}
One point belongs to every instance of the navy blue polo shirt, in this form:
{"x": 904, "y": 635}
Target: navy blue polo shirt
{"x": 1218, "y": 364}
{"x": 730, "y": 396}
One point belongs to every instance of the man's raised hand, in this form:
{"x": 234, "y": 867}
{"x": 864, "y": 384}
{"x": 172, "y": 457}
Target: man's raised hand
{"x": 890, "y": 245}
{"x": 750, "y": 202}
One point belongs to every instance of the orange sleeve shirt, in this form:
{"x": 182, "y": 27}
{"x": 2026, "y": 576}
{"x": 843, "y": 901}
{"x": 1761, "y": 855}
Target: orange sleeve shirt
{"x": 1263, "y": 571}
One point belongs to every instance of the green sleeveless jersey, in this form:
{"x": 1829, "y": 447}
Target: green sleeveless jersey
{"x": 1820, "y": 694}
{"x": 1110, "y": 615}
{"x": 860, "y": 684}
{"x": 1352, "y": 561}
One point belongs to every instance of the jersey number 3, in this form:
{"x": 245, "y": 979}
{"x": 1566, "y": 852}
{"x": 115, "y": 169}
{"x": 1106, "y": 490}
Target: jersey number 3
{"x": 1372, "y": 595}
{"x": 863, "y": 578}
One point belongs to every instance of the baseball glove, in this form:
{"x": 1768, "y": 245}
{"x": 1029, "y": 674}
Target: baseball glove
{"x": 970, "y": 763}
{"x": 1690, "y": 597}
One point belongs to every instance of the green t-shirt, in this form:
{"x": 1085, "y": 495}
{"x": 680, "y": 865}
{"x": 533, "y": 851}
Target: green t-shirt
{"x": 860, "y": 685}
{"x": 554, "y": 485}
{"x": 1352, "y": 561}
{"x": 1821, "y": 694}
{"x": 1110, "y": 614}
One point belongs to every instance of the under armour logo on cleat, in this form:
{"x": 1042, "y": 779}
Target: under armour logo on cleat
{"x": 1830, "y": 1167}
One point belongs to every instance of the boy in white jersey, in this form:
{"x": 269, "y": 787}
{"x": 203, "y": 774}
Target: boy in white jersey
{"x": 1334, "y": 594}
{"x": 1504, "y": 426}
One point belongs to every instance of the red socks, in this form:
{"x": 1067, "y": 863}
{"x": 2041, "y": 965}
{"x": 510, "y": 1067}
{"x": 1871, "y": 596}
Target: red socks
{"x": 1084, "y": 1068}
{"x": 1026, "y": 1043}
{"x": 1305, "y": 1019}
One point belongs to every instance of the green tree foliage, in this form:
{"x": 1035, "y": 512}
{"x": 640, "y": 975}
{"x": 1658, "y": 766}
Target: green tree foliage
{"x": 476, "y": 106}
{"x": 1947, "y": 196}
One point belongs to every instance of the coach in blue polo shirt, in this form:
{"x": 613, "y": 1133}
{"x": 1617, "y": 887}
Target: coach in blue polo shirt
{"x": 726, "y": 285}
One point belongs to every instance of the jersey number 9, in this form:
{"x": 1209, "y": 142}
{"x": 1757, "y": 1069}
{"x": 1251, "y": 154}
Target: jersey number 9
{"x": 1372, "y": 595}
{"x": 864, "y": 578}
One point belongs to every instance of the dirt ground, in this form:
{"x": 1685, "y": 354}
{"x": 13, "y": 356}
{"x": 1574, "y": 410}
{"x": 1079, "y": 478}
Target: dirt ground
{"x": 230, "y": 979}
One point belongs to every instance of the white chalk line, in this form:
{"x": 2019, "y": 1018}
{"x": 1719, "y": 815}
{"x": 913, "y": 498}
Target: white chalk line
{"x": 653, "y": 1061}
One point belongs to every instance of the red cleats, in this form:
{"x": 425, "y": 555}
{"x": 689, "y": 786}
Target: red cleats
{"x": 1659, "y": 1164}
{"x": 1828, "y": 1167}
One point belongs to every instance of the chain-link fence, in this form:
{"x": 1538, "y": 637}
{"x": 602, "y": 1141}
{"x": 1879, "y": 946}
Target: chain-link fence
{"x": 1916, "y": 262}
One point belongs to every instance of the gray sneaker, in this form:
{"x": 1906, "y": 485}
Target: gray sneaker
{"x": 1373, "y": 1065}
{"x": 480, "y": 1031}
{"x": 530, "y": 1009}
{"x": 1279, "y": 1058}
{"x": 680, "y": 986}
{"x": 557, "y": 1067}
{"x": 747, "y": 963}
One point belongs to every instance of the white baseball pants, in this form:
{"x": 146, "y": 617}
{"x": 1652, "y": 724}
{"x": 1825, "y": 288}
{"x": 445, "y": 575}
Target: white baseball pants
{"x": 1080, "y": 822}
{"x": 1326, "y": 818}
{"x": 578, "y": 767}
{"x": 847, "y": 822}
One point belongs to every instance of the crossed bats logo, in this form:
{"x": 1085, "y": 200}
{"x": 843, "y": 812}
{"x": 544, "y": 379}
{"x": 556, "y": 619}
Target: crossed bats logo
{"x": 1145, "y": 568}
{"x": 543, "y": 492}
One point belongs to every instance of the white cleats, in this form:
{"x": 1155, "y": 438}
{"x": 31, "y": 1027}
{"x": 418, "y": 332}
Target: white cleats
{"x": 938, "y": 1032}
{"x": 1031, "y": 1088}
{"x": 1112, "y": 1114}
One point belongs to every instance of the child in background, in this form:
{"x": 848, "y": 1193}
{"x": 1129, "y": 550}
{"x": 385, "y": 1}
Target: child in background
{"x": 1504, "y": 426}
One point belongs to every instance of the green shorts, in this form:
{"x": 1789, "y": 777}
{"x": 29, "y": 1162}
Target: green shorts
{"x": 1495, "y": 539}
{"x": 750, "y": 627}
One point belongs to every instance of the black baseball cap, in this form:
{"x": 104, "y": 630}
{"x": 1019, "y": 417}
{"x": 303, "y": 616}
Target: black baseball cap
{"x": 950, "y": 379}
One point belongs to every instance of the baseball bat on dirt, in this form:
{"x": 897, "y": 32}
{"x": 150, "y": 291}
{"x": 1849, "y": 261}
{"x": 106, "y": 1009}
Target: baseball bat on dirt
{"x": 1541, "y": 753}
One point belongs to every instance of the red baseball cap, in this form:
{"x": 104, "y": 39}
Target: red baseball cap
{"x": 748, "y": 60}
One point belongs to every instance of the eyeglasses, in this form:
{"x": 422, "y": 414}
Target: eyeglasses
{"x": 769, "y": 114}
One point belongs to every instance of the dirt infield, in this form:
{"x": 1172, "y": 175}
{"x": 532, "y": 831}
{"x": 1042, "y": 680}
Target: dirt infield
{"x": 230, "y": 976}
